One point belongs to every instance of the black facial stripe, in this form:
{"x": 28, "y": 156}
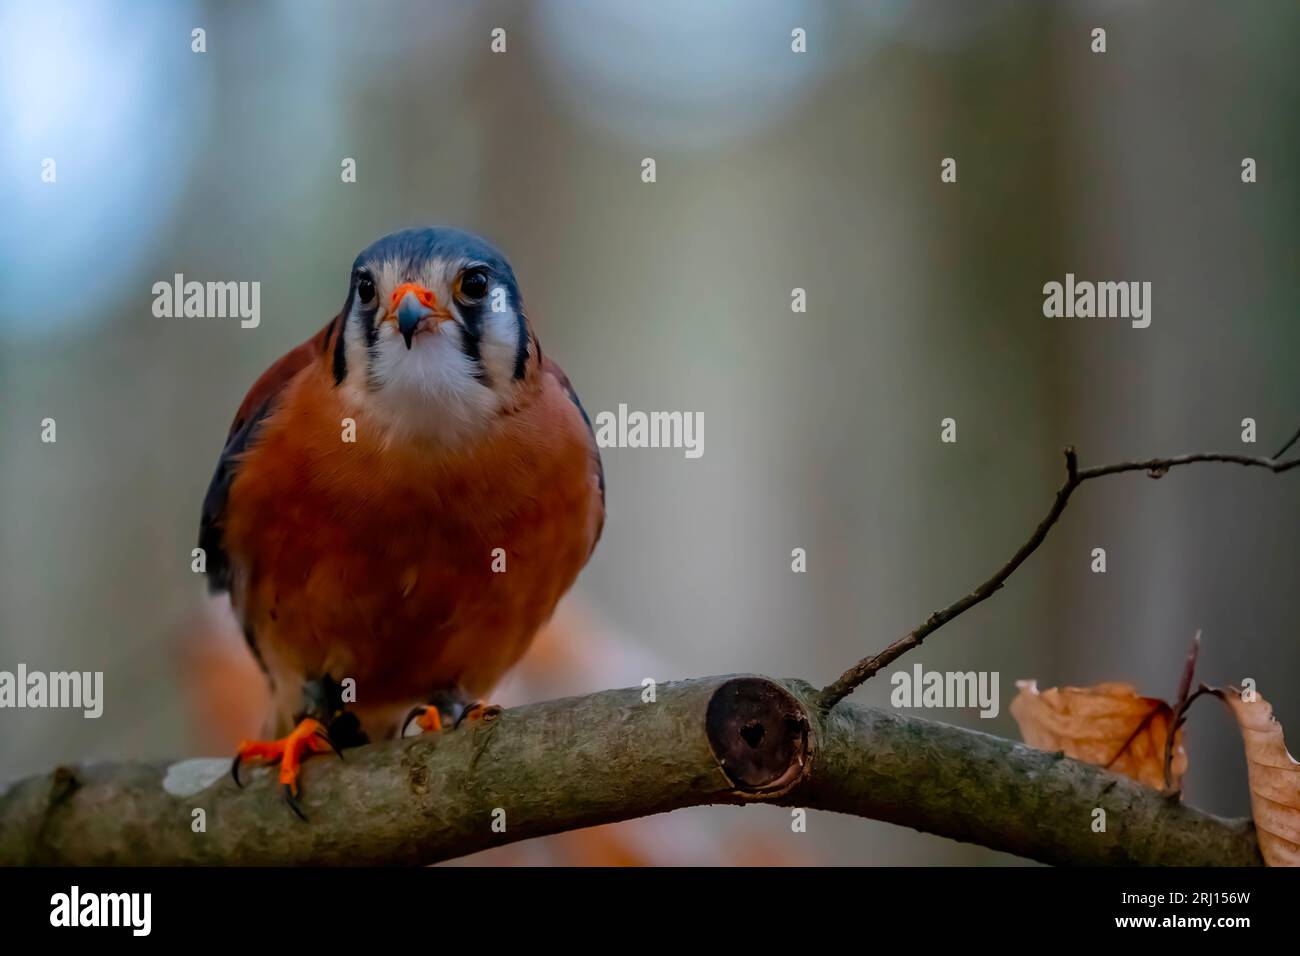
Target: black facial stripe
{"x": 471, "y": 334}
{"x": 371, "y": 328}
{"x": 340, "y": 352}
{"x": 521, "y": 345}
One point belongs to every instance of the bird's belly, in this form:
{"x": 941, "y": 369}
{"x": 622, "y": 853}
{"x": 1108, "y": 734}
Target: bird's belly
{"x": 406, "y": 592}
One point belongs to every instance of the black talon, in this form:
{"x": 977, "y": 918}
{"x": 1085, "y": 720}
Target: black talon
{"x": 329, "y": 740}
{"x": 293, "y": 802}
{"x": 415, "y": 712}
{"x": 466, "y": 712}
{"x": 234, "y": 770}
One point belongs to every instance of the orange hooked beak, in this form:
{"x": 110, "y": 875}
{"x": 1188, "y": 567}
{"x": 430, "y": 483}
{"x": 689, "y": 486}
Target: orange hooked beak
{"x": 412, "y": 304}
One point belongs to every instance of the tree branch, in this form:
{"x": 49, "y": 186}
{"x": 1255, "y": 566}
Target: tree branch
{"x": 582, "y": 761}
{"x": 864, "y": 669}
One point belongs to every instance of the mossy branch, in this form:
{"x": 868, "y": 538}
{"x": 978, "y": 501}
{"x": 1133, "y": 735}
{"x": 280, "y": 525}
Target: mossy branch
{"x": 582, "y": 761}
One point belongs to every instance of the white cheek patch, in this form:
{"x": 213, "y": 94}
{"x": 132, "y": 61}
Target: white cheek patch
{"x": 501, "y": 332}
{"x": 354, "y": 345}
{"x": 499, "y": 344}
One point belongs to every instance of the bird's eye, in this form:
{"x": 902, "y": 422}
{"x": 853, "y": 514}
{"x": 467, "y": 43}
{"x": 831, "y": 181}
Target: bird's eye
{"x": 474, "y": 284}
{"x": 366, "y": 289}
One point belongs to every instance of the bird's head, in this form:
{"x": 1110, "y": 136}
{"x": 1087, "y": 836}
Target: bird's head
{"x": 434, "y": 339}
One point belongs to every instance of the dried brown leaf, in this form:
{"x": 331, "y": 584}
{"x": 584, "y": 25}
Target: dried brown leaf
{"x": 1109, "y": 725}
{"x": 1274, "y": 779}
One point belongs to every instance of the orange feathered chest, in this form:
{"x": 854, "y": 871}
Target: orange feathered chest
{"x": 403, "y": 566}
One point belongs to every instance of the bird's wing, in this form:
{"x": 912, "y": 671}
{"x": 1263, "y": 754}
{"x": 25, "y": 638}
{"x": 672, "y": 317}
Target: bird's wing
{"x": 550, "y": 368}
{"x": 257, "y": 404}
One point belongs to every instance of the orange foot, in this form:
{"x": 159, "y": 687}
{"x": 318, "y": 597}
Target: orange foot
{"x": 309, "y": 737}
{"x": 428, "y": 717}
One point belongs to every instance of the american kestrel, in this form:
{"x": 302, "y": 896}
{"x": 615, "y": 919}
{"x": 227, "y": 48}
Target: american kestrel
{"x": 401, "y": 501}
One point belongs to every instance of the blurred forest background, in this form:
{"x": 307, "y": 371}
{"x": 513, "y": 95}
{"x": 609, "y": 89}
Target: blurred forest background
{"x": 775, "y": 170}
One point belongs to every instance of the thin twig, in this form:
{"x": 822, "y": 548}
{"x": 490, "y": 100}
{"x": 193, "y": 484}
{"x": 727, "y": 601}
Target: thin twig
{"x": 1180, "y": 709}
{"x": 1181, "y": 719}
{"x": 864, "y": 669}
{"x": 1285, "y": 448}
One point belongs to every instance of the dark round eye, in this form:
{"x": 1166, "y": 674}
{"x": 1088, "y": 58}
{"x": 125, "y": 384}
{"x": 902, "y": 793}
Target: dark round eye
{"x": 366, "y": 289}
{"x": 474, "y": 284}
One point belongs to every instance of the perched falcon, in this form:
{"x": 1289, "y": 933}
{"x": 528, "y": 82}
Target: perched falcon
{"x": 401, "y": 501}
